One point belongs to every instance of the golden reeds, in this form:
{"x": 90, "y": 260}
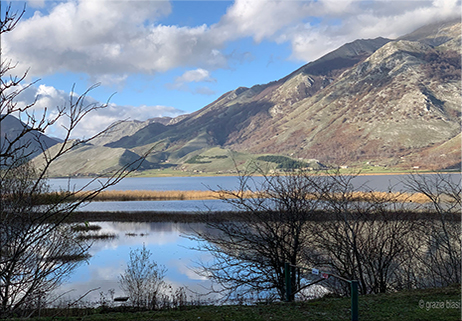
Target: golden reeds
{"x": 144, "y": 195}
{"x": 154, "y": 195}
{"x": 394, "y": 197}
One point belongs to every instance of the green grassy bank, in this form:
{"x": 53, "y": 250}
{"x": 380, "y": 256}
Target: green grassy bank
{"x": 441, "y": 304}
{"x": 168, "y": 172}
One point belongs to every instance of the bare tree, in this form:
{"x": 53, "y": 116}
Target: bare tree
{"x": 270, "y": 228}
{"x": 37, "y": 248}
{"x": 35, "y": 258}
{"x": 365, "y": 236}
{"x": 440, "y": 256}
{"x": 143, "y": 279}
{"x": 311, "y": 220}
{"x": 372, "y": 246}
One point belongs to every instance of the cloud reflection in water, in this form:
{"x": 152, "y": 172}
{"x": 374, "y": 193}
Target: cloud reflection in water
{"x": 109, "y": 257}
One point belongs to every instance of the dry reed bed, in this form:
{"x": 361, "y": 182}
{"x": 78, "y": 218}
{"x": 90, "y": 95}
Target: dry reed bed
{"x": 157, "y": 195}
{"x": 397, "y": 197}
{"x": 208, "y": 195}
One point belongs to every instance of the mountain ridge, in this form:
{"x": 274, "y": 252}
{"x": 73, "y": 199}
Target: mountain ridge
{"x": 32, "y": 142}
{"x": 384, "y": 101}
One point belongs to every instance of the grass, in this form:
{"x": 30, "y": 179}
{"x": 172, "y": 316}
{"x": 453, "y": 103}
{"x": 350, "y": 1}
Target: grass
{"x": 168, "y": 172}
{"x": 227, "y": 166}
{"x": 441, "y": 304}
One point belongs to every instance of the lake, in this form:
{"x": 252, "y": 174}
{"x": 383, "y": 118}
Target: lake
{"x": 155, "y": 184}
{"x": 165, "y": 240}
{"x": 202, "y": 183}
{"x": 167, "y": 243}
{"x": 366, "y": 183}
{"x": 170, "y": 246}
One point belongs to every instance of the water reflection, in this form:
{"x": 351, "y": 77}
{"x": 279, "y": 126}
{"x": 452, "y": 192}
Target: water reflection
{"x": 167, "y": 244}
{"x": 192, "y": 206}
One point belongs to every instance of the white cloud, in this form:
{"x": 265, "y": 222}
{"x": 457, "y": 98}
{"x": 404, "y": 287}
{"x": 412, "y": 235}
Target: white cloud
{"x": 260, "y": 19}
{"x": 109, "y": 40}
{"x": 100, "y": 119}
{"x": 51, "y": 98}
{"x": 108, "y": 37}
{"x": 193, "y": 76}
{"x": 314, "y": 28}
{"x": 197, "y": 75}
{"x": 360, "y": 20}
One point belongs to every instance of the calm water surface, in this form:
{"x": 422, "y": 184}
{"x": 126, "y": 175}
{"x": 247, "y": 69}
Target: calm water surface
{"x": 153, "y": 183}
{"x": 366, "y": 182}
{"x": 164, "y": 240}
{"x": 167, "y": 243}
{"x": 193, "y": 206}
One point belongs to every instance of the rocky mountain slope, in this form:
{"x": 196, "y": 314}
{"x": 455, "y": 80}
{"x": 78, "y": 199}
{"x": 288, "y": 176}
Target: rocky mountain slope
{"x": 127, "y": 128}
{"x": 381, "y": 101}
{"x": 403, "y": 97}
{"x": 33, "y": 141}
{"x": 89, "y": 160}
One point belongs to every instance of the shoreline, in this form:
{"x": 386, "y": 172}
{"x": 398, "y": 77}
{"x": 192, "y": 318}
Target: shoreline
{"x": 219, "y": 216}
{"x": 209, "y": 174}
{"x": 152, "y": 217}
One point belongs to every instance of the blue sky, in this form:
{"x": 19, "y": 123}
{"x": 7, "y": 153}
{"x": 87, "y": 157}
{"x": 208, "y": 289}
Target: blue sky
{"x": 166, "y": 58}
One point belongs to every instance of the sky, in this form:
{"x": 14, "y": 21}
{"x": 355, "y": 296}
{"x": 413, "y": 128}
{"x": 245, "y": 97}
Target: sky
{"x": 167, "y": 58}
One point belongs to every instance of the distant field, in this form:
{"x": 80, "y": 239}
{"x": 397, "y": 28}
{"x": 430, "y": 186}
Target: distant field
{"x": 169, "y": 172}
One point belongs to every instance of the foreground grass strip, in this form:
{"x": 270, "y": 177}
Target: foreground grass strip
{"x": 441, "y": 304}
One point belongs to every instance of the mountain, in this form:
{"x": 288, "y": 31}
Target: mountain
{"x": 216, "y": 123}
{"x": 437, "y": 34}
{"x": 394, "y": 103}
{"x": 122, "y": 129}
{"x": 89, "y": 160}
{"x": 31, "y": 142}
